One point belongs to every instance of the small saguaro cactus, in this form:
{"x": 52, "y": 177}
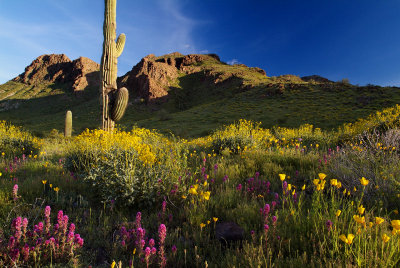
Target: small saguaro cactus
{"x": 68, "y": 124}
{"x": 108, "y": 67}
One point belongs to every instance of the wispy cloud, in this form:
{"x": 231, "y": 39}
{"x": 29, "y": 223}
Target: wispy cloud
{"x": 23, "y": 34}
{"x": 233, "y": 61}
{"x": 180, "y": 27}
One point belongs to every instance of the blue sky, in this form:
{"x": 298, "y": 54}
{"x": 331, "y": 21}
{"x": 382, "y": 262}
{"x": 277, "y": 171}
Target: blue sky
{"x": 354, "y": 39}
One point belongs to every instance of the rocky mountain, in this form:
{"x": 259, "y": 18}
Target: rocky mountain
{"x": 156, "y": 79}
{"x": 153, "y": 77}
{"x": 58, "y": 68}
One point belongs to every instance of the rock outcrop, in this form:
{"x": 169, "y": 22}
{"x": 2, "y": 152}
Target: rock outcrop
{"x": 58, "y": 68}
{"x": 151, "y": 78}
{"x": 316, "y": 78}
{"x": 84, "y": 73}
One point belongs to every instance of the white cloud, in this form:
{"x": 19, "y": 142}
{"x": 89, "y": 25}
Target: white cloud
{"x": 233, "y": 61}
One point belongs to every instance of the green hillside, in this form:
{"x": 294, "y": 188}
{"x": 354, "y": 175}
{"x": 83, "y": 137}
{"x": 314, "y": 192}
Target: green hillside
{"x": 214, "y": 95}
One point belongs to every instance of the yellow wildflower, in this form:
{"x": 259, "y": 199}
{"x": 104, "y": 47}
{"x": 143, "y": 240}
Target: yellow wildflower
{"x": 321, "y": 176}
{"x": 208, "y": 222}
{"x": 334, "y": 182}
{"x": 51, "y": 185}
{"x": 206, "y": 195}
{"x": 215, "y": 219}
{"x": 113, "y": 264}
{"x": 316, "y": 181}
{"x": 364, "y": 181}
{"x": 339, "y": 185}
{"x": 202, "y": 225}
{"x": 379, "y": 220}
{"x": 193, "y": 190}
{"x": 44, "y": 181}
{"x": 361, "y": 210}
{"x": 348, "y": 240}
{"x": 338, "y": 213}
{"x": 396, "y": 224}
{"x": 358, "y": 219}
{"x": 303, "y": 188}
{"x": 282, "y": 177}
{"x": 385, "y": 238}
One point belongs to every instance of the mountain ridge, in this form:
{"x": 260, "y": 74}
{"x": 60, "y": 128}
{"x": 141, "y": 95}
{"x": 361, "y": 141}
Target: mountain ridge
{"x": 187, "y": 95}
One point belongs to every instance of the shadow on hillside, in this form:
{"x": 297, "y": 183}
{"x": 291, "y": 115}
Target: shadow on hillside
{"x": 42, "y": 114}
{"x": 198, "y": 88}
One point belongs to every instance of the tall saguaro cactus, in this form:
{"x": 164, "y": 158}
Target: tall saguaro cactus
{"x": 108, "y": 67}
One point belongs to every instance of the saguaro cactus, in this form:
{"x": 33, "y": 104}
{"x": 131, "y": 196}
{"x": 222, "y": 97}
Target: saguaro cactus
{"x": 68, "y": 124}
{"x": 108, "y": 67}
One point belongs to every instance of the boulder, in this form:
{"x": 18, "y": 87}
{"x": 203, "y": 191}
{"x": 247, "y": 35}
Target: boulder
{"x": 228, "y": 232}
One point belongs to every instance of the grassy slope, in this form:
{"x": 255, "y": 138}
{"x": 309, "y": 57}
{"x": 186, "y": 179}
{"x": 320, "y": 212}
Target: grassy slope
{"x": 42, "y": 108}
{"x": 197, "y": 106}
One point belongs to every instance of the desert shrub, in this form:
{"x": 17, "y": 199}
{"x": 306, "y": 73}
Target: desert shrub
{"x": 374, "y": 156}
{"x": 134, "y": 168}
{"x": 305, "y": 134}
{"x": 240, "y": 136}
{"x": 382, "y": 120}
{"x": 15, "y": 142}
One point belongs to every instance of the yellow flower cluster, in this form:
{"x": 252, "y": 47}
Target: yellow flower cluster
{"x": 214, "y": 219}
{"x": 9, "y": 131}
{"x": 194, "y": 191}
{"x": 347, "y": 239}
{"x": 320, "y": 182}
{"x": 359, "y": 219}
{"x": 396, "y": 226}
{"x": 140, "y": 140}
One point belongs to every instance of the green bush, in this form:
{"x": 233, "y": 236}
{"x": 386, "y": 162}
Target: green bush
{"x": 15, "y": 142}
{"x": 136, "y": 169}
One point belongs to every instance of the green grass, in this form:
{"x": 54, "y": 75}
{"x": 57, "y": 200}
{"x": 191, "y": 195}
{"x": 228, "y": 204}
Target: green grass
{"x": 197, "y": 105}
{"x": 239, "y": 184}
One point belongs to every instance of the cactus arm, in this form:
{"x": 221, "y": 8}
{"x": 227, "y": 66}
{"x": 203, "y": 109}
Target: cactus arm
{"x": 120, "y": 45}
{"x": 120, "y": 104}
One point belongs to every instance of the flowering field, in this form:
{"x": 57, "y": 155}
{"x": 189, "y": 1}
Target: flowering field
{"x": 241, "y": 197}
